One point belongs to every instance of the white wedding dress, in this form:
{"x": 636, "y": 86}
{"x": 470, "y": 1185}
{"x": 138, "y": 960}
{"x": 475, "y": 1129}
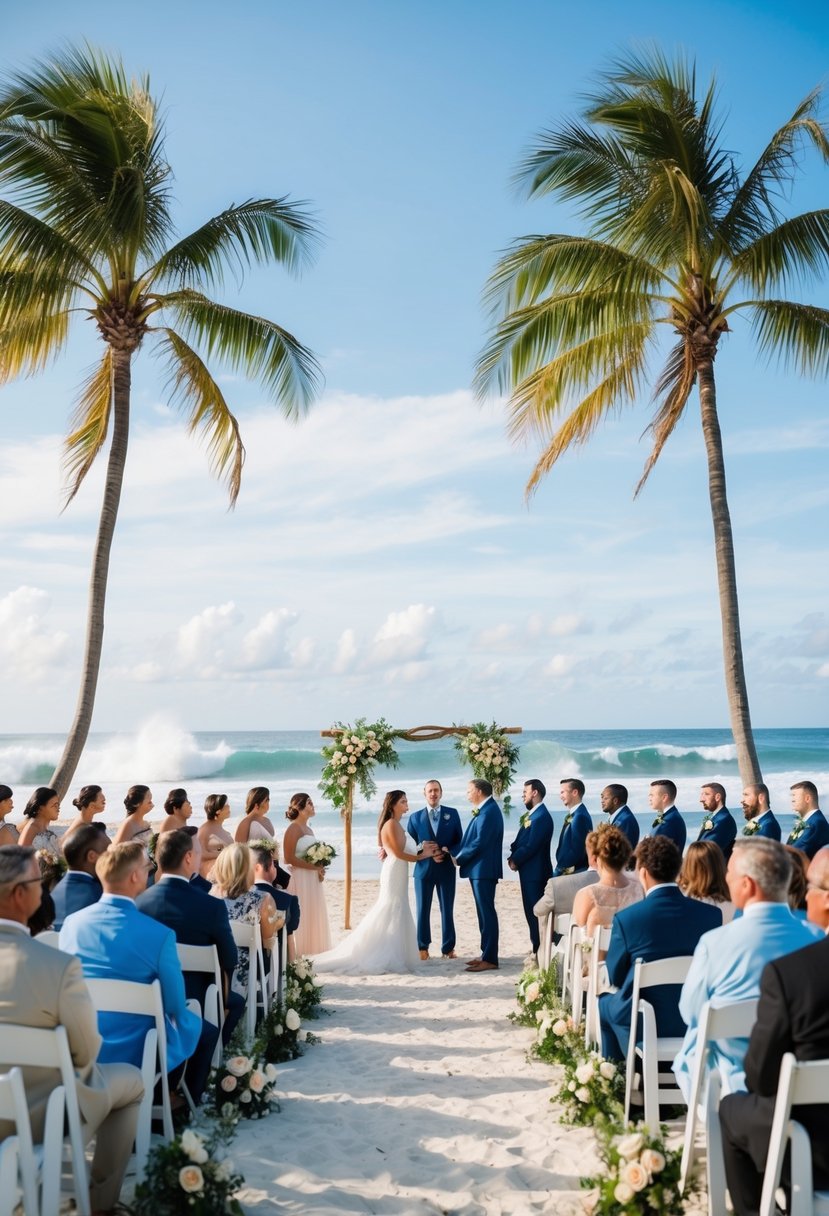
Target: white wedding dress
{"x": 385, "y": 939}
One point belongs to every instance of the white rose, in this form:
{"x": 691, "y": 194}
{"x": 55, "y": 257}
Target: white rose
{"x": 191, "y": 1179}
{"x": 630, "y": 1146}
{"x": 560, "y": 1028}
{"x": 238, "y": 1065}
{"x": 245, "y": 1097}
{"x": 343, "y": 781}
{"x": 622, "y": 1193}
{"x": 652, "y": 1161}
{"x": 270, "y": 1072}
{"x": 228, "y": 1084}
{"x": 544, "y": 1026}
{"x": 277, "y": 1030}
{"x": 635, "y": 1175}
{"x": 571, "y": 1085}
{"x": 352, "y": 768}
{"x": 355, "y": 739}
{"x": 540, "y": 1015}
{"x": 585, "y": 1072}
{"x": 532, "y": 994}
{"x": 193, "y": 1145}
{"x": 607, "y": 1069}
{"x": 257, "y": 1081}
{"x": 292, "y": 1020}
{"x": 583, "y": 1094}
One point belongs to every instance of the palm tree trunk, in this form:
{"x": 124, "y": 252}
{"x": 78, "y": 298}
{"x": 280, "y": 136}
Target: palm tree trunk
{"x": 735, "y": 680}
{"x": 76, "y": 741}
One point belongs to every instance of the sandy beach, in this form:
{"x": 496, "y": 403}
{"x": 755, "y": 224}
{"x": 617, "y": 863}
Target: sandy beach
{"x": 420, "y": 1098}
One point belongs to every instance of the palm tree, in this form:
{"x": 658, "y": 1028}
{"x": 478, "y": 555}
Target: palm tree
{"x": 86, "y": 231}
{"x": 676, "y": 241}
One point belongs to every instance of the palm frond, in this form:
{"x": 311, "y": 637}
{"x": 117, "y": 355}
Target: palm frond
{"x": 193, "y": 388}
{"x": 674, "y": 387}
{"x": 31, "y": 244}
{"x": 796, "y": 250}
{"x": 31, "y": 342}
{"x": 257, "y": 230}
{"x": 258, "y": 348}
{"x": 796, "y": 334}
{"x": 90, "y": 424}
{"x": 579, "y": 164}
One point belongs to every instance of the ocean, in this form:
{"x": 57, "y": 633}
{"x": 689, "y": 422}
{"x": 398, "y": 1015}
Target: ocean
{"x": 163, "y": 754}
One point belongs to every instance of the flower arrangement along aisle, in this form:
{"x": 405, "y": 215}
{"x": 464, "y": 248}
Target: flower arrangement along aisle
{"x": 559, "y": 1039}
{"x": 277, "y": 1040}
{"x": 244, "y": 1086}
{"x": 535, "y": 991}
{"x": 592, "y": 1092}
{"x": 350, "y": 759}
{"x": 303, "y": 989}
{"x": 491, "y": 756}
{"x": 640, "y": 1176}
{"x": 189, "y": 1174}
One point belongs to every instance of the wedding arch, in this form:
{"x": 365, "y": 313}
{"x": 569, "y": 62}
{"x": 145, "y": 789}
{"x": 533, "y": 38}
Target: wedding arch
{"x": 357, "y": 749}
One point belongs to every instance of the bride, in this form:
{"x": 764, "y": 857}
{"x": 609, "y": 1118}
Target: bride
{"x": 385, "y": 939}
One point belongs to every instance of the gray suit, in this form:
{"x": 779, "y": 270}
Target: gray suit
{"x": 559, "y": 896}
{"x": 41, "y": 987}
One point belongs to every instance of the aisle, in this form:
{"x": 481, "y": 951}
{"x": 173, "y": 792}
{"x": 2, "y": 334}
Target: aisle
{"x": 418, "y": 1100}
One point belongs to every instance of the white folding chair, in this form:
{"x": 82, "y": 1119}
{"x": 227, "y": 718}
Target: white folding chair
{"x": 205, "y": 959}
{"x": 49, "y": 937}
{"x": 128, "y": 996}
{"x": 249, "y": 937}
{"x": 600, "y": 943}
{"x": 653, "y": 1050}
{"x": 575, "y": 967}
{"x": 549, "y": 953}
{"x": 35, "y": 1047}
{"x": 23, "y": 1166}
{"x": 733, "y": 1020}
{"x": 802, "y": 1083}
{"x": 279, "y": 958}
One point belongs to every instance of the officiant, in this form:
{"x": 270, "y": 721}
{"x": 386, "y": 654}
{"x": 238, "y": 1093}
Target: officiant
{"x": 441, "y": 824}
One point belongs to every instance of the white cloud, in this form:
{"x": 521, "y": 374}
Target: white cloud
{"x": 266, "y": 644}
{"x": 403, "y": 636}
{"x": 346, "y": 652}
{"x": 567, "y": 623}
{"x": 28, "y": 648}
{"x": 198, "y": 642}
{"x": 559, "y": 666}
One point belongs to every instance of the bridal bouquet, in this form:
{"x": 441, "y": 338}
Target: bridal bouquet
{"x": 640, "y": 1175}
{"x": 351, "y": 757}
{"x": 320, "y": 854}
{"x": 188, "y": 1174}
{"x": 303, "y": 989}
{"x": 244, "y": 1088}
{"x": 491, "y": 756}
{"x": 592, "y": 1091}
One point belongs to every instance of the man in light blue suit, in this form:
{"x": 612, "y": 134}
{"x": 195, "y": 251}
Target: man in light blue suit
{"x": 665, "y": 924}
{"x": 571, "y": 854}
{"x": 614, "y": 799}
{"x": 668, "y": 821}
{"x": 480, "y": 859}
{"x": 529, "y": 855}
{"x": 114, "y": 941}
{"x": 811, "y": 830}
{"x": 79, "y": 886}
{"x": 719, "y": 824}
{"x": 728, "y": 962}
{"x": 442, "y": 824}
{"x": 757, "y": 811}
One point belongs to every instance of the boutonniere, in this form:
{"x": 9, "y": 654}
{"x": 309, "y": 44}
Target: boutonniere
{"x": 476, "y": 810}
{"x": 798, "y": 829}
{"x": 524, "y": 821}
{"x": 708, "y": 825}
{"x": 568, "y": 819}
{"x": 752, "y": 827}
{"x": 659, "y": 820}
{"x": 445, "y": 818}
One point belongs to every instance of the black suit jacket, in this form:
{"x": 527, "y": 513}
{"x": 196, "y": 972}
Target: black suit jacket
{"x": 197, "y": 920}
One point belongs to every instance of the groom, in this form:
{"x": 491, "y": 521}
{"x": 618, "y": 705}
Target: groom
{"x": 443, "y": 825}
{"x": 480, "y": 860}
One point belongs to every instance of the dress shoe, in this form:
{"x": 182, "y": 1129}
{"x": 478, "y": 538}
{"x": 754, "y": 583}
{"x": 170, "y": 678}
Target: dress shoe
{"x": 482, "y": 966}
{"x": 424, "y": 954}
{"x": 450, "y": 954}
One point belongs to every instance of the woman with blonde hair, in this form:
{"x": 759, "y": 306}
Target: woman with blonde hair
{"x": 233, "y": 879}
{"x": 617, "y": 888}
{"x": 702, "y": 877}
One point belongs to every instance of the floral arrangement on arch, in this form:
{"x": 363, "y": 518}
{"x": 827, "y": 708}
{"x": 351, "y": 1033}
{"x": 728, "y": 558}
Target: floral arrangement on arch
{"x": 303, "y": 989}
{"x": 351, "y": 757}
{"x": 189, "y": 1174}
{"x": 491, "y": 756}
{"x": 244, "y": 1088}
{"x": 640, "y": 1175}
{"x": 592, "y": 1091}
{"x": 535, "y": 991}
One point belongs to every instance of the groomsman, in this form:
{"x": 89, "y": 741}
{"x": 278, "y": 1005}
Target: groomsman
{"x": 614, "y": 799}
{"x": 571, "y": 854}
{"x": 480, "y": 860}
{"x": 810, "y": 831}
{"x": 759, "y": 819}
{"x": 719, "y": 824}
{"x": 529, "y": 854}
{"x": 668, "y": 821}
{"x": 443, "y": 825}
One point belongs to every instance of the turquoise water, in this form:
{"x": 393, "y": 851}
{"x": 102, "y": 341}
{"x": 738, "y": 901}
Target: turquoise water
{"x": 163, "y": 754}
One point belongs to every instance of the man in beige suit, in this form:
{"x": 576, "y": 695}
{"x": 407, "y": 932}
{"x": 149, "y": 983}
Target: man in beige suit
{"x": 42, "y": 987}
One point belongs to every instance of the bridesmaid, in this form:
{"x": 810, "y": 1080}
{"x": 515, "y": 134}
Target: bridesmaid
{"x": 139, "y": 803}
{"x": 313, "y": 935}
{"x": 42, "y": 809}
{"x": 8, "y": 832}
{"x": 177, "y": 809}
{"x": 89, "y": 803}
{"x": 256, "y": 824}
{"x": 212, "y": 836}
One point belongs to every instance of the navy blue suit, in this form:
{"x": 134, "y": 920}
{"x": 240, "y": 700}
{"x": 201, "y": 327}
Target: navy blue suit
{"x": 197, "y": 920}
{"x": 480, "y": 859}
{"x": 672, "y": 826}
{"x": 436, "y": 875}
{"x": 665, "y": 924}
{"x": 724, "y": 831}
{"x": 571, "y": 854}
{"x": 813, "y": 837}
{"x": 74, "y": 891}
{"x": 767, "y": 826}
{"x": 200, "y": 884}
{"x": 625, "y": 820}
{"x": 530, "y": 854}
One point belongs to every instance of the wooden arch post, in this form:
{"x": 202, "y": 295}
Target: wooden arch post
{"x": 416, "y": 734}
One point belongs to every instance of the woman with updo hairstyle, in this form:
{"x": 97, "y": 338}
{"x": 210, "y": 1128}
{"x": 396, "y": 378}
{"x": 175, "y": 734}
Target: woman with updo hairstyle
{"x": 702, "y": 877}
{"x": 42, "y": 809}
{"x": 138, "y": 804}
{"x": 8, "y": 832}
{"x": 177, "y": 809}
{"x": 256, "y": 825}
{"x": 598, "y": 904}
{"x": 212, "y": 836}
{"x": 233, "y": 881}
{"x": 314, "y": 933}
{"x": 89, "y": 803}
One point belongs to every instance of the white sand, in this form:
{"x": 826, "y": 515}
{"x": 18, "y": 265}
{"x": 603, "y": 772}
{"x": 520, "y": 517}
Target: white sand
{"x": 419, "y": 1098}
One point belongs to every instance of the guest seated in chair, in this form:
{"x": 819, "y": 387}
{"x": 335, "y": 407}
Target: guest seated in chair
{"x": 79, "y": 886}
{"x": 233, "y": 882}
{"x": 266, "y": 871}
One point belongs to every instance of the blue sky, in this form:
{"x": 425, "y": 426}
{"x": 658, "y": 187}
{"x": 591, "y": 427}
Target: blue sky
{"x": 381, "y": 558}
